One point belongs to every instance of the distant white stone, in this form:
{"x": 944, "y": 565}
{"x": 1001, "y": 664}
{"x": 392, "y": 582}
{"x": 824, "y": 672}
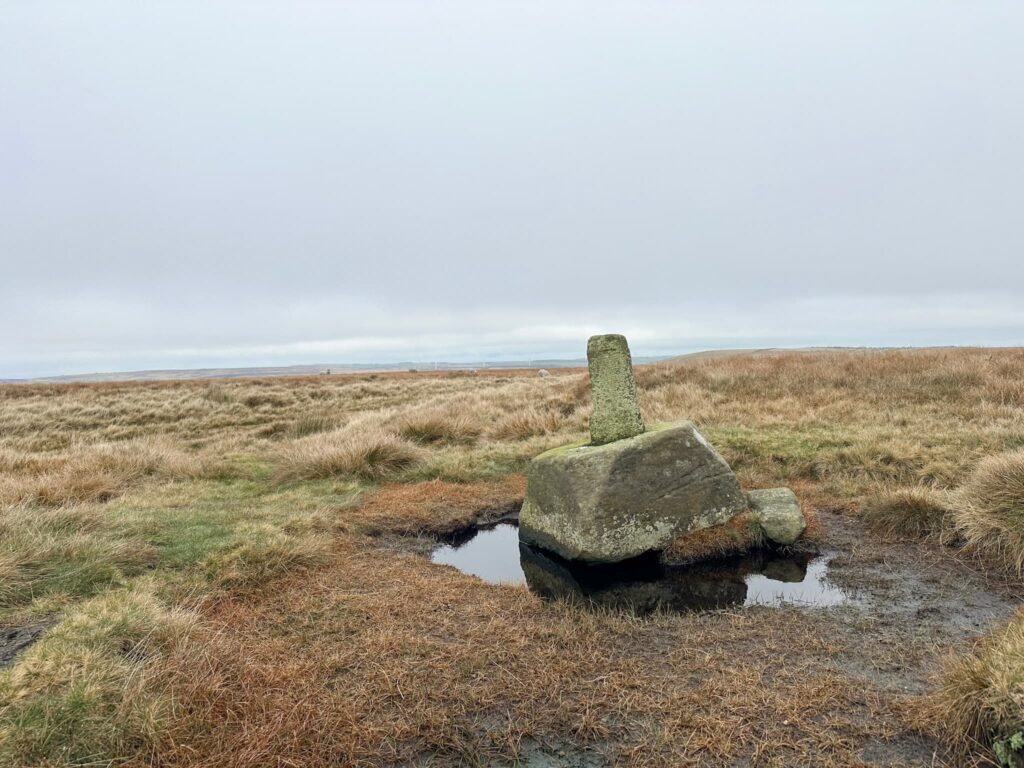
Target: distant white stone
{"x": 543, "y": 373}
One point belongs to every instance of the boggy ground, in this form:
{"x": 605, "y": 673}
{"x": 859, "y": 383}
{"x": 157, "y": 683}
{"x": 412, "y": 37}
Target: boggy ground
{"x": 210, "y": 576}
{"x": 401, "y": 662}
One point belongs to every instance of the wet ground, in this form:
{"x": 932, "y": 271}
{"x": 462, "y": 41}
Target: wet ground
{"x": 13, "y": 640}
{"x": 888, "y": 611}
{"x": 495, "y": 554}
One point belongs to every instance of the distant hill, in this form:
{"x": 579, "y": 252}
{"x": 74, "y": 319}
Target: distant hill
{"x": 342, "y": 368}
{"x": 770, "y": 351}
{"x": 305, "y": 370}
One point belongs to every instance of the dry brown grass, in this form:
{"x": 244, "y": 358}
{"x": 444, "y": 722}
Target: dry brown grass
{"x": 848, "y": 423}
{"x": 909, "y": 512}
{"x": 321, "y": 650}
{"x": 436, "y": 507}
{"x": 311, "y": 424}
{"x": 989, "y": 510}
{"x": 366, "y": 453}
{"x": 439, "y": 426}
{"x": 528, "y": 422}
{"x": 96, "y": 472}
{"x": 737, "y": 536}
{"x": 981, "y": 695}
{"x": 740, "y": 534}
{"x": 400, "y": 661}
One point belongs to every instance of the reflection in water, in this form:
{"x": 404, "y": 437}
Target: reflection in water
{"x": 490, "y": 553}
{"x": 642, "y": 585}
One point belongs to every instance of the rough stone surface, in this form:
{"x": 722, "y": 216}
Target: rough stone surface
{"x": 777, "y": 511}
{"x": 608, "y": 503}
{"x": 613, "y": 386}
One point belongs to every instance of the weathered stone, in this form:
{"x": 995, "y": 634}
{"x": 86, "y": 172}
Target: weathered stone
{"x": 613, "y": 386}
{"x": 612, "y": 502}
{"x": 543, "y": 373}
{"x": 777, "y": 511}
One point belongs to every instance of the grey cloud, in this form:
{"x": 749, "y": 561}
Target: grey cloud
{"x": 198, "y": 182}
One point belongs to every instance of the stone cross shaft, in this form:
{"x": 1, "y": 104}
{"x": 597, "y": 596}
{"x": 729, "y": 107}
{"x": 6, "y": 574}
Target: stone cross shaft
{"x": 616, "y": 409}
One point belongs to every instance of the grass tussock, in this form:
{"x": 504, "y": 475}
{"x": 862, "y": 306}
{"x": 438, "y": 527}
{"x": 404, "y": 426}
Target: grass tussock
{"x": 372, "y": 454}
{"x": 526, "y": 423}
{"x": 913, "y": 513}
{"x": 87, "y": 690}
{"x": 312, "y": 424}
{"x": 989, "y": 510}
{"x": 981, "y": 695}
{"x": 439, "y": 427}
{"x": 264, "y": 553}
{"x": 98, "y": 473}
{"x": 62, "y": 553}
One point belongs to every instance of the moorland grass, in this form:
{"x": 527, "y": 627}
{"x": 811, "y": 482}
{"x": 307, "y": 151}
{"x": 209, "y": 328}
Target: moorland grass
{"x": 915, "y": 513}
{"x": 989, "y": 510}
{"x": 178, "y": 506}
{"x": 980, "y": 699}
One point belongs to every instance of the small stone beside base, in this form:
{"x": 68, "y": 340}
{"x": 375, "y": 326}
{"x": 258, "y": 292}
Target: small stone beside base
{"x": 777, "y": 511}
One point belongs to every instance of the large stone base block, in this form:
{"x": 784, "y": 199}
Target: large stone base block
{"x": 612, "y": 502}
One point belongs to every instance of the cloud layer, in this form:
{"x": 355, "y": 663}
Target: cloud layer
{"x": 245, "y": 183}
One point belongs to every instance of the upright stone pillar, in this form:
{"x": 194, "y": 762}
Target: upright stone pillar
{"x": 616, "y": 408}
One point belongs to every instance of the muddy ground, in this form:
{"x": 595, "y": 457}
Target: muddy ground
{"x": 909, "y": 604}
{"x": 13, "y": 640}
{"x": 381, "y": 658}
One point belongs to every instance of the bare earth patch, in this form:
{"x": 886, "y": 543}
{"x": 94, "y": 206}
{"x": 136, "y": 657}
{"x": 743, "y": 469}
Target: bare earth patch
{"x": 13, "y": 640}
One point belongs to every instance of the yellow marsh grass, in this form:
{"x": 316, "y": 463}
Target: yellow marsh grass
{"x": 981, "y": 694}
{"x": 435, "y": 506}
{"x": 94, "y": 472}
{"x": 363, "y": 452}
{"x": 989, "y": 510}
{"x": 914, "y": 512}
{"x": 837, "y": 425}
{"x": 849, "y": 423}
{"x": 439, "y": 426}
{"x": 92, "y": 680}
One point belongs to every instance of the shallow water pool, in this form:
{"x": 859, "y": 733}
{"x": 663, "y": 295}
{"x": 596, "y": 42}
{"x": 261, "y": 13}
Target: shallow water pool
{"x": 496, "y": 555}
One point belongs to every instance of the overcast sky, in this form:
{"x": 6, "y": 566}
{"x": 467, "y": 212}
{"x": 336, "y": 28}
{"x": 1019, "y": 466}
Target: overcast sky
{"x": 189, "y": 184}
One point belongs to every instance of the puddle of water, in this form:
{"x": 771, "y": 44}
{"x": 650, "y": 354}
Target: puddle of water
{"x": 497, "y": 556}
{"x": 490, "y": 553}
{"x": 812, "y": 589}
